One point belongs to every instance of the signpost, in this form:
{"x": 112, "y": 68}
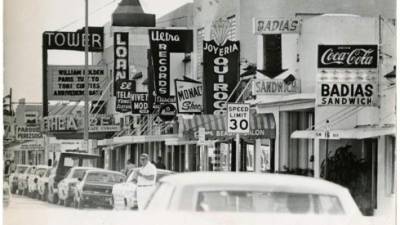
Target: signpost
{"x": 238, "y": 123}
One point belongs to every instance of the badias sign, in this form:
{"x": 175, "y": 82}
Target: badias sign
{"x": 74, "y": 40}
{"x": 351, "y": 94}
{"x": 221, "y": 74}
{"x": 347, "y": 56}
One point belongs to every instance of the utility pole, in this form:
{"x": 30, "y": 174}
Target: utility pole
{"x": 86, "y": 109}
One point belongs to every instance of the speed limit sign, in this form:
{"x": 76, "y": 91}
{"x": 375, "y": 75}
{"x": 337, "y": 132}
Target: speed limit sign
{"x": 238, "y": 118}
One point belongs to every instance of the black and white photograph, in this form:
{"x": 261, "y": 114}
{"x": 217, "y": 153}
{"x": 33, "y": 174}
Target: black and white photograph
{"x": 199, "y": 112}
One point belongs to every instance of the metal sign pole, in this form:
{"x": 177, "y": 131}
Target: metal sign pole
{"x": 86, "y": 109}
{"x": 237, "y": 152}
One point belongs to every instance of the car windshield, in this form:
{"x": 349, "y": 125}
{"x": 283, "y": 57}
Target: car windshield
{"x": 101, "y": 177}
{"x": 21, "y": 169}
{"x": 78, "y": 173}
{"x": 267, "y": 202}
{"x": 40, "y": 171}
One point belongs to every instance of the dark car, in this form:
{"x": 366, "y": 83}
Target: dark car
{"x": 95, "y": 189}
{"x": 66, "y": 161}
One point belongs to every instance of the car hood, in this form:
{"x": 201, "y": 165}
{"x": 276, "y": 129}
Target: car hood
{"x": 126, "y": 186}
{"x": 105, "y": 217}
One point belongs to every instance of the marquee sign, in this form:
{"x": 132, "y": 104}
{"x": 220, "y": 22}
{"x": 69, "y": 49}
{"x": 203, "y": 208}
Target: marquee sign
{"x": 347, "y": 56}
{"x": 189, "y": 96}
{"x": 123, "y": 85}
{"x": 74, "y": 40}
{"x": 68, "y": 82}
{"x": 73, "y": 123}
{"x": 275, "y": 87}
{"x": 276, "y": 25}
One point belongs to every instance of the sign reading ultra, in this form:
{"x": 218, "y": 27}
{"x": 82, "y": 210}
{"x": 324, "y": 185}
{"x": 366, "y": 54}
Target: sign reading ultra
{"x": 68, "y": 82}
{"x": 238, "y": 118}
{"x": 275, "y": 86}
{"x": 276, "y": 25}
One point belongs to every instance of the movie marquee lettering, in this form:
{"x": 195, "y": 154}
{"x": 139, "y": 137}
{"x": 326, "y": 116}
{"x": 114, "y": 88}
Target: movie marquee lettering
{"x": 221, "y": 74}
{"x": 123, "y": 86}
{"x": 68, "y": 82}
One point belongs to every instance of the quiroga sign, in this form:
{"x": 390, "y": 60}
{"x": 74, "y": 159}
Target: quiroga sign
{"x": 238, "y": 118}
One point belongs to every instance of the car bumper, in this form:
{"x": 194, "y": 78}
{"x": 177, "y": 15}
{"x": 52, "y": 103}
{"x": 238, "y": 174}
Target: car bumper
{"x": 97, "y": 199}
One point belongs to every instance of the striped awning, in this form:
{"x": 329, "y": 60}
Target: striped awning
{"x": 261, "y": 126}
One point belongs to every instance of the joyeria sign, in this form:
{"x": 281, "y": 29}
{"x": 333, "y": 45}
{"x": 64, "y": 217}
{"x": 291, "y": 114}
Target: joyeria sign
{"x": 347, "y": 56}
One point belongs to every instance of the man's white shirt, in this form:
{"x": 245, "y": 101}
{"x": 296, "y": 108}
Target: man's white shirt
{"x": 148, "y": 169}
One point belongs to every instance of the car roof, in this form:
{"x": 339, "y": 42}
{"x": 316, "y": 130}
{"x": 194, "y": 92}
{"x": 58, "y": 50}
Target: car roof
{"x": 253, "y": 179}
{"x": 103, "y": 170}
{"x": 42, "y": 167}
{"x": 81, "y": 168}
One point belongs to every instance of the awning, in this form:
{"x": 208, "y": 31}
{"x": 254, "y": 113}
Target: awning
{"x": 141, "y": 139}
{"x": 354, "y": 133}
{"x": 261, "y": 126}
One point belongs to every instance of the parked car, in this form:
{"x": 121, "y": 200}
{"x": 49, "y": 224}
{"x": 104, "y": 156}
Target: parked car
{"x": 95, "y": 188}
{"x": 6, "y": 194}
{"x": 13, "y": 179}
{"x": 43, "y": 185}
{"x": 39, "y": 171}
{"x": 270, "y": 194}
{"x": 124, "y": 194}
{"x": 67, "y": 185}
{"x": 66, "y": 161}
{"x": 23, "y": 180}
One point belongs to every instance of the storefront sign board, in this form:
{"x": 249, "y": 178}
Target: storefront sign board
{"x": 140, "y": 103}
{"x": 276, "y": 25}
{"x": 275, "y": 87}
{"x": 25, "y": 133}
{"x": 189, "y": 96}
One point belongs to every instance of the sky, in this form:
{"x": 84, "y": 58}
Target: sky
{"x": 26, "y": 20}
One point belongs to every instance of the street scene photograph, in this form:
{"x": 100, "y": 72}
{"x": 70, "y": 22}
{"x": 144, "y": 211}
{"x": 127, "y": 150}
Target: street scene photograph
{"x": 199, "y": 112}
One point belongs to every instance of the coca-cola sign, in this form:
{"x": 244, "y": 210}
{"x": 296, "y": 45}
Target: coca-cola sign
{"x": 347, "y": 56}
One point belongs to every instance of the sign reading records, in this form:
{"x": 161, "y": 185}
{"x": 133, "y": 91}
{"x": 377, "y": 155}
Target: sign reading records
{"x": 68, "y": 82}
{"x": 238, "y": 118}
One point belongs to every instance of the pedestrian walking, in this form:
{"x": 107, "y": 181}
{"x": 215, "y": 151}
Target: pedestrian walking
{"x": 146, "y": 180}
{"x": 160, "y": 164}
{"x": 129, "y": 167}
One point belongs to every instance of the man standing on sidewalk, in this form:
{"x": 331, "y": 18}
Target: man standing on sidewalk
{"x": 146, "y": 180}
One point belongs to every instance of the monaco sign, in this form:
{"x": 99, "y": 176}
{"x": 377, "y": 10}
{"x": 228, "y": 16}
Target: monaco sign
{"x": 347, "y": 56}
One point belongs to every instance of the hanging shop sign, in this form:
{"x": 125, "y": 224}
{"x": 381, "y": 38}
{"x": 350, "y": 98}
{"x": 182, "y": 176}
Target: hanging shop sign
{"x": 140, "y": 103}
{"x": 162, "y": 43}
{"x": 123, "y": 85}
{"x": 167, "y": 112}
{"x": 189, "y": 96}
{"x": 68, "y": 82}
{"x": 238, "y": 120}
{"x": 275, "y": 87}
{"x": 75, "y": 40}
{"x": 276, "y": 25}
{"x": 74, "y": 123}
{"x": 347, "y": 56}
{"x": 221, "y": 74}
{"x": 25, "y": 133}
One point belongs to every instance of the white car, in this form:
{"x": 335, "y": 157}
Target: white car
{"x": 13, "y": 179}
{"x": 290, "y": 199}
{"x": 23, "y": 180}
{"x": 66, "y": 186}
{"x": 43, "y": 185}
{"x": 39, "y": 171}
{"x": 124, "y": 194}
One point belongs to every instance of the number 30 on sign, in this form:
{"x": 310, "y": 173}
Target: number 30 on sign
{"x": 238, "y": 118}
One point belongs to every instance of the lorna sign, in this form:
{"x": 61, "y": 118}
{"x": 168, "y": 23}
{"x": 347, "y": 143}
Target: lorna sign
{"x": 123, "y": 85}
{"x": 276, "y": 25}
{"x": 221, "y": 74}
{"x": 74, "y": 40}
{"x": 347, "y": 56}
